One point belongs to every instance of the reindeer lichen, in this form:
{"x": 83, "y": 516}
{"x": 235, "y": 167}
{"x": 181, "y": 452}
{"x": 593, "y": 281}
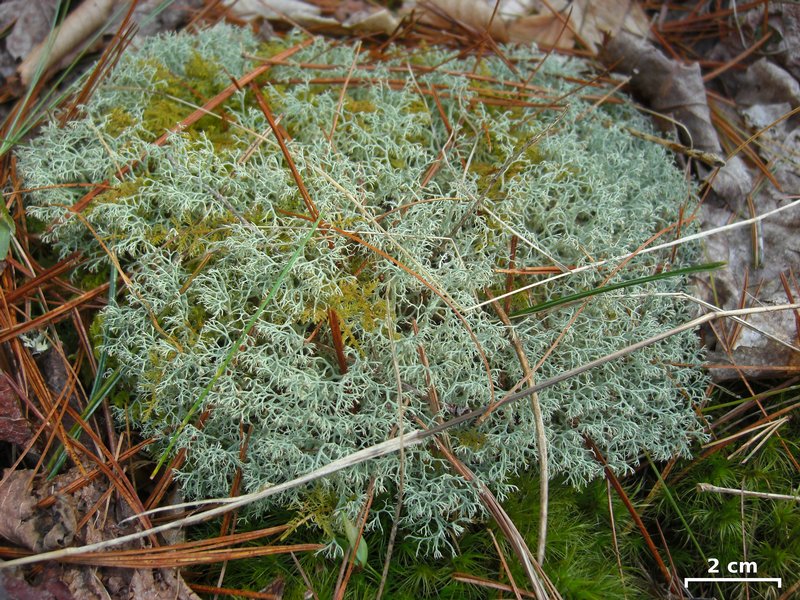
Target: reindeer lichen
{"x": 204, "y": 223}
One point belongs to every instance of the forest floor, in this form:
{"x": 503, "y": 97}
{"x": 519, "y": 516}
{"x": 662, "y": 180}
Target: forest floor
{"x": 721, "y": 81}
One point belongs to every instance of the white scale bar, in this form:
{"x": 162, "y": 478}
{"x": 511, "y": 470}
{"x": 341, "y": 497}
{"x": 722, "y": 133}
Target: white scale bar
{"x": 689, "y": 580}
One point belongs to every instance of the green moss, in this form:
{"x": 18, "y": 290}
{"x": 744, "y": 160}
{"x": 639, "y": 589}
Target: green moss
{"x": 580, "y": 556}
{"x": 196, "y": 237}
{"x": 159, "y": 234}
{"x": 178, "y": 95}
{"x": 202, "y": 73}
{"x": 355, "y": 303}
{"x": 471, "y": 438}
{"x": 318, "y": 508}
{"x": 352, "y": 105}
{"x": 419, "y": 107}
{"x": 119, "y": 120}
{"x": 534, "y": 155}
{"x": 274, "y": 95}
{"x": 121, "y": 193}
{"x": 97, "y": 334}
{"x": 275, "y": 45}
{"x": 121, "y": 399}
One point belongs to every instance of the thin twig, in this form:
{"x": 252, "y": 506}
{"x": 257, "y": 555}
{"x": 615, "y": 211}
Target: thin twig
{"x": 677, "y": 242}
{"x": 304, "y": 575}
{"x": 502, "y": 519}
{"x": 504, "y": 564}
{"x": 612, "y": 478}
{"x": 541, "y": 437}
{"x": 350, "y": 557}
{"x": 402, "y": 468}
{"x": 488, "y": 583}
{"x": 707, "y": 487}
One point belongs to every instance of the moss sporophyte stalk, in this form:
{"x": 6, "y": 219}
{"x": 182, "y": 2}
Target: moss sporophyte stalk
{"x": 392, "y": 153}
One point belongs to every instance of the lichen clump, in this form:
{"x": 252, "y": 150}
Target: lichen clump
{"x": 204, "y": 224}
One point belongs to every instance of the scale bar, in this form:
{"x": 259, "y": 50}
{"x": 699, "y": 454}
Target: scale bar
{"x": 688, "y": 580}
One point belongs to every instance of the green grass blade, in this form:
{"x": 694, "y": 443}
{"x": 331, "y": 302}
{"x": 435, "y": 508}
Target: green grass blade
{"x": 51, "y": 96}
{"x": 15, "y": 131}
{"x": 672, "y": 502}
{"x": 616, "y": 286}
{"x": 55, "y": 464}
{"x": 762, "y": 396}
{"x": 7, "y": 230}
{"x": 223, "y": 366}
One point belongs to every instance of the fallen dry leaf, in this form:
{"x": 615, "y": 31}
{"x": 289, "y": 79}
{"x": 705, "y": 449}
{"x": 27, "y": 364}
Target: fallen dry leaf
{"x": 361, "y": 19}
{"x": 677, "y": 90}
{"x": 369, "y": 21}
{"x": 764, "y": 93}
{"x": 790, "y": 30}
{"x": 557, "y": 23}
{"x": 32, "y": 22}
{"x": 8, "y": 15}
{"x": 763, "y": 115}
{"x": 597, "y": 20}
{"x": 12, "y": 588}
{"x": 90, "y": 583}
{"x": 764, "y": 82}
{"x": 667, "y": 85}
{"x": 783, "y": 18}
{"x": 24, "y": 524}
{"x": 160, "y": 584}
{"x": 76, "y": 29}
{"x": 292, "y": 11}
{"x": 42, "y": 529}
{"x": 778, "y": 241}
{"x": 588, "y": 22}
{"x": 474, "y": 14}
{"x": 545, "y": 30}
{"x": 154, "y": 16}
{"x": 87, "y": 583}
{"x": 14, "y": 426}
{"x": 344, "y": 9}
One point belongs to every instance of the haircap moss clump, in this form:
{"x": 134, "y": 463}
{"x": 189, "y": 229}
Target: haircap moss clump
{"x": 205, "y": 223}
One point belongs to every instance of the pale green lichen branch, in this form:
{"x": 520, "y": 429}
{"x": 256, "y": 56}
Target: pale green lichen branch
{"x": 208, "y": 221}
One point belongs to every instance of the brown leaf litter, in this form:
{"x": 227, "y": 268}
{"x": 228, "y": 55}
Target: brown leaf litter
{"x": 14, "y": 426}
{"x": 24, "y": 523}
